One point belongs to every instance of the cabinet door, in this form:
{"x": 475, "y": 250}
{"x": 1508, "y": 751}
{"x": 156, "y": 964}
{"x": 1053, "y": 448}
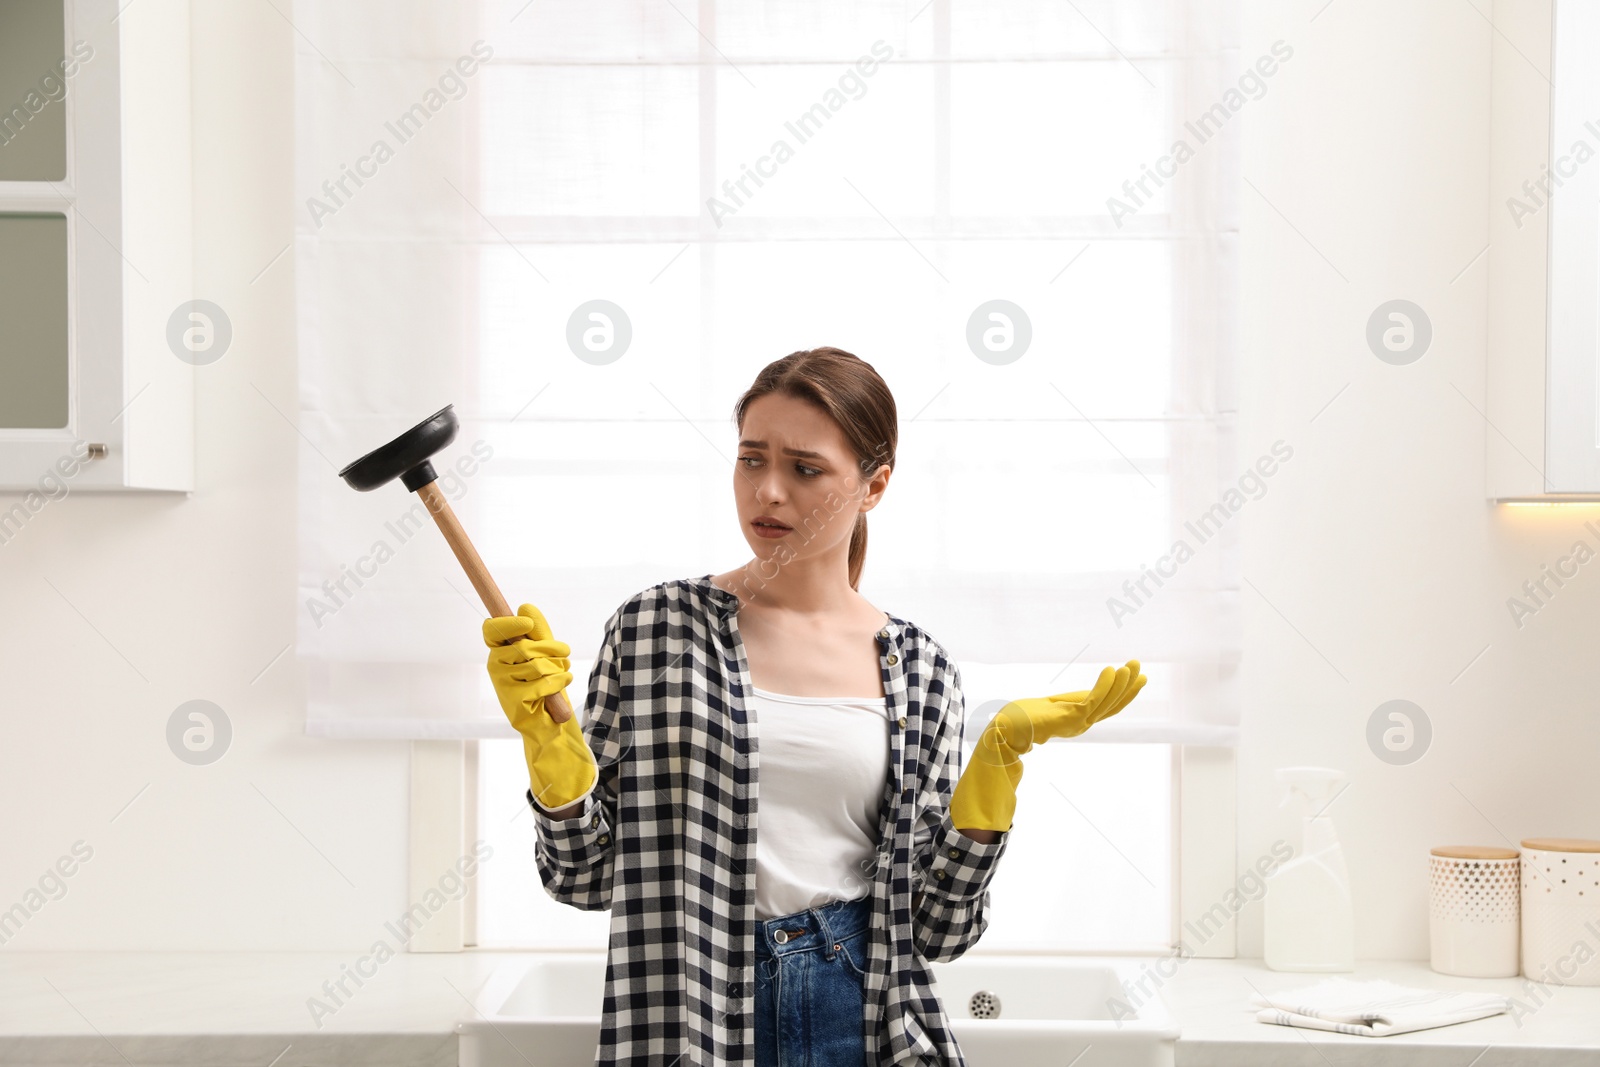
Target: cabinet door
{"x": 1572, "y": 368}
{"x": 95, "y": 244}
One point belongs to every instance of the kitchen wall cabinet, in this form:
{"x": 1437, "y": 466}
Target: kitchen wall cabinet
{"x": 96, "y": 272}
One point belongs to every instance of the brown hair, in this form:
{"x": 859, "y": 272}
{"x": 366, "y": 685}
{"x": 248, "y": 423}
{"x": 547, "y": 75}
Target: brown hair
{"x": 850, "y": 392}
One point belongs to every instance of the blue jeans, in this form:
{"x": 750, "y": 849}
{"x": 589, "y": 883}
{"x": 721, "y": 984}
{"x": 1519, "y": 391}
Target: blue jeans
{"x": 809, "y": 969}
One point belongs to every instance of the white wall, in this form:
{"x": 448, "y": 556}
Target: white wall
{"x": 1376, "y": 543}
{"x": 198, "y": 594}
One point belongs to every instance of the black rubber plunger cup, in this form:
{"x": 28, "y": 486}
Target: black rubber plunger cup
{"x": 408, "y": 457}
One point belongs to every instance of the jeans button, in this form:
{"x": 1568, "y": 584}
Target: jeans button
{"x": 781, "y": 936}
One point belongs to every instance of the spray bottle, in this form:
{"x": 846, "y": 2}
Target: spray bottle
{"x": 1309, "y": 922}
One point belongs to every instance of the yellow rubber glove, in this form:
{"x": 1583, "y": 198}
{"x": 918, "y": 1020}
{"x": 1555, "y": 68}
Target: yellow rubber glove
{"x": 526, "y": 665}
{"x": 985, "y": 797}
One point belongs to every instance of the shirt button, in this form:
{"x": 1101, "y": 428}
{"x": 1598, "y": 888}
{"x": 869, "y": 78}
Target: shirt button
{"x": 902, "y": 722}
{"x": 604, "y": 839}
{"x": 939, "y": 875}
{"x": 906, "y": 795}
{"x": 884, "y": 634}
{"x": 893, "y": 659}
{"x": 955, "y": 853}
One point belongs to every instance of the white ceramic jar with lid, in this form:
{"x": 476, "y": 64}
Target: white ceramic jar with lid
{"x": 1561, "y": 910}
{"x": 1474, "y": 910}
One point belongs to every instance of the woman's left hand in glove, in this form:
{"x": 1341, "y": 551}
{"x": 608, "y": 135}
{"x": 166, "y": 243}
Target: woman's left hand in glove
{"x": 985, "y": 798}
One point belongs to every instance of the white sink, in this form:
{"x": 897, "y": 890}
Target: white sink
{"x": 1051, "y": 1008}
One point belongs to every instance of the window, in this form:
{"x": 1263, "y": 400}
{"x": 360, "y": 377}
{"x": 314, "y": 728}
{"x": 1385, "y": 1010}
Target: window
{"x": 622, "y": 218}
{"x": 1090, "y": 848}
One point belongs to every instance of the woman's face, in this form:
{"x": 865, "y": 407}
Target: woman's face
{"x": 795, "y": 466}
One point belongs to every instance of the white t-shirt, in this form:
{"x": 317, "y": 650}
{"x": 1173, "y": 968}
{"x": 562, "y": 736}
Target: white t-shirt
{"x": 823, "y": 767}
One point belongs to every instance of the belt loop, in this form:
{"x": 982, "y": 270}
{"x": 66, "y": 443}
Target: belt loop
{"x": 826, "y": 931}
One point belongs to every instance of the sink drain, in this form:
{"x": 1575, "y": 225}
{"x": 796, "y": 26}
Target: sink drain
{"x": 984, "y": 1005}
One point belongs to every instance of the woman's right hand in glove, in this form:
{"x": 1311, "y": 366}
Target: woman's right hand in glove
{"x": 526, "y": 665}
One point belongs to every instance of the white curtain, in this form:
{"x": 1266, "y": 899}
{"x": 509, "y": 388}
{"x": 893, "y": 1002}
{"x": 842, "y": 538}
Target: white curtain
{"x": 472, "y": 176}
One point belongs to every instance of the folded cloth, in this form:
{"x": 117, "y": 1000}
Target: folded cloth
{"x": 1373, "y": 1008}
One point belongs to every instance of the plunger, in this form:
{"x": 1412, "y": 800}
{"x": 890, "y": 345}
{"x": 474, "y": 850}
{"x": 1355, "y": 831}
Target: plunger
{"x": 408, "y": 457}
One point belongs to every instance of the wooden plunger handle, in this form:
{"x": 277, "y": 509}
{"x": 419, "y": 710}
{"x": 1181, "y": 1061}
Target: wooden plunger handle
{"x": 432, "y": 499}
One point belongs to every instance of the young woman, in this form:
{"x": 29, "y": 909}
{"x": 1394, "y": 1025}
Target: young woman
{"x": 807, "y": 942}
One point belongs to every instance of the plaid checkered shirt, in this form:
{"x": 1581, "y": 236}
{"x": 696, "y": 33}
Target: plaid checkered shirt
{"x": 666, "y": 839}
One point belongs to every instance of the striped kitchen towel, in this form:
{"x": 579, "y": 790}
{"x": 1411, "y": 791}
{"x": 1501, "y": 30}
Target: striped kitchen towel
{"x": 1373, "y": 1008}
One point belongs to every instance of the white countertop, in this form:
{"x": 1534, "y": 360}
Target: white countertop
{"x": 148, "y": 1008}
{"x": 1209, "y": 1000}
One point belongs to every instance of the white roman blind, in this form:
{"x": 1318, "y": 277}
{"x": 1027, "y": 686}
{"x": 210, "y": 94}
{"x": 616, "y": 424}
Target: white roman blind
{"x": 588, "y": 226}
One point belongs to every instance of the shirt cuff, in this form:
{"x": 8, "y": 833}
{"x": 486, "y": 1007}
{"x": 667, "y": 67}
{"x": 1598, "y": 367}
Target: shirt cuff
{"x": 574, "y": 839}
{"x": 959, "y": 867}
